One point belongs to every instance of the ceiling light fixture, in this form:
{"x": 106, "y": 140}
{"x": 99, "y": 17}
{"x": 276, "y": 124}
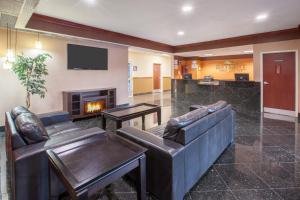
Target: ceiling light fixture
{"x": 9, "y": 57}
{"x": 187, "y": 8}
{"x": 38, "y": 43}
{"x": 248, "y": 51}
{"x": 261, "y": 17}
{"x": 180, "y": 33}
{"x": 208, "y": 54}
{"x": 91, "y": 2}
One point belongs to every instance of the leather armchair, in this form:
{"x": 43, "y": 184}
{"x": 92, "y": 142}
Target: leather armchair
{"x": 28, "y": 164}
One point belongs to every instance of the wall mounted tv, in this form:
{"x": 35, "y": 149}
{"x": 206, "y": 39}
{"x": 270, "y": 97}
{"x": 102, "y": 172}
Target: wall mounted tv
{"x": 87, "y": 58}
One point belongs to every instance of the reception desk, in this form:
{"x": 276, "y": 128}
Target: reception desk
{"x": 243, "y": 95}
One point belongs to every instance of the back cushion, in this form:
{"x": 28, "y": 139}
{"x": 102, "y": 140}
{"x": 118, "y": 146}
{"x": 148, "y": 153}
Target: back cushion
{"x": 174, "y": 124}
{"x": 196, "y": 129}
{"x": 31, "y": 128}
{"x": 212, "y": 107}
{"x": 216, "y": 106}
{"x": 15, "y": 112}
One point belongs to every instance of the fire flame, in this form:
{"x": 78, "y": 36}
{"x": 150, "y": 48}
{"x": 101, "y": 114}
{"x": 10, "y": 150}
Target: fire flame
{"x": 92, "y": 107}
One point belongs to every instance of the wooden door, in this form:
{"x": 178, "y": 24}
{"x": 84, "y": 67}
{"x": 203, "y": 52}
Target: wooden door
{"x": 279, "y": 77}
{"x": 156, "y": 76}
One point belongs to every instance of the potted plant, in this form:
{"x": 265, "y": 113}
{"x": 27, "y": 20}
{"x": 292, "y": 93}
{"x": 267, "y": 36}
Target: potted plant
{"x": 31, "y": 71}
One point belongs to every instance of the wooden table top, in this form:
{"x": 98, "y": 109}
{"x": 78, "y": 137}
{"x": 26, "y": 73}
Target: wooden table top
{"x": 124, "y": 111}
{"x": 83, "y": 162}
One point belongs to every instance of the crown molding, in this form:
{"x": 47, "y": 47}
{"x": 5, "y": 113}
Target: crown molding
{"x": 274, "y": 36}
{"x": 50, "y": 24}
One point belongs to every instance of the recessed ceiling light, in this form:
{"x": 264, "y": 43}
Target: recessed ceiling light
{"x": 261, "y": 17}
{"x": 91, "y": 2}
{"x": 248, "y": 51}
{"x": 180, "y": 33}
{"x": 208, "y": 54}
{"x": 187, "y": 8}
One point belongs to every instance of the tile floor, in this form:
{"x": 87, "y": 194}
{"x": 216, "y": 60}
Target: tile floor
{"x": 263, "y": 164}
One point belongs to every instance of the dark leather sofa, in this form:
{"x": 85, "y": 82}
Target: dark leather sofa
{"x": 28, "y": 163}
{"x": 175, "y": 165}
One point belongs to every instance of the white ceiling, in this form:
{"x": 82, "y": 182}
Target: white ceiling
{"x": 238, "y": 50}
{"x": 160, "y": 20}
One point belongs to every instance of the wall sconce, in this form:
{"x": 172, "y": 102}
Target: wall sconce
{"x": 38, "y": 43}
{"x": 199, "y": 68}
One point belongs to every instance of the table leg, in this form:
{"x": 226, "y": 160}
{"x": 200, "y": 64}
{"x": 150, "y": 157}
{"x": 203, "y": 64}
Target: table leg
{"x": 141, "y": 182}
{"x": 159, "y": 116}
{"x": 143, "y": 122}
{"x": 119, "y": 124}
{"x": 103, "y": 122}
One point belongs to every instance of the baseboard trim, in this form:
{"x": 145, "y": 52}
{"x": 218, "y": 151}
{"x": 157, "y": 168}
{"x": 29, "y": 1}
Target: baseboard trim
{"x": 280, "y": 111}
{"x": 142, "y": 93}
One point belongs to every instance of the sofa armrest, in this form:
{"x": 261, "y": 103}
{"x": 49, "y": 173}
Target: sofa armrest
{"x": 165, "y": 163}
{"x": 150, "y": 141}
{"x": 56, "y": 141}
{"x": 54, "y": 117}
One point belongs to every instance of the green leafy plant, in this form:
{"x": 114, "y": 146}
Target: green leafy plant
{"x": 31, "y": 71}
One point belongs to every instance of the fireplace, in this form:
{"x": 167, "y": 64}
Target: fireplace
{"x": 88, "y": 103}
{"x": 94, "y": 104}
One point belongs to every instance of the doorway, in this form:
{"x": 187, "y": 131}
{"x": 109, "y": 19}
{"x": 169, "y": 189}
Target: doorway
{"x": 279, "y": 94}
{"x": 156, "y": 77}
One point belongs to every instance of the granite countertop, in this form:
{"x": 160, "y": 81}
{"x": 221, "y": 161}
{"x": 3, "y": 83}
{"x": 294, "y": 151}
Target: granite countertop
{"x": 224, "y": 80}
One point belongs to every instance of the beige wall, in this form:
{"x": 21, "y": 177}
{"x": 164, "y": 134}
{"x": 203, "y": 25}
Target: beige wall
{"x": 167, "y": 83}
{"x": 59, "y": 79}
{"x": 142, "y": 85}
{"x": 142, "y": 78}
{"x": 271, "y": 47}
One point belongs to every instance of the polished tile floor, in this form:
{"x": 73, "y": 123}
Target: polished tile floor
{"x": 262, "y": 164}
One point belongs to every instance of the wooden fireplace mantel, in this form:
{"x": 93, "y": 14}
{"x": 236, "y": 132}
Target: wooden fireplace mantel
{"x": 74, "y": 101}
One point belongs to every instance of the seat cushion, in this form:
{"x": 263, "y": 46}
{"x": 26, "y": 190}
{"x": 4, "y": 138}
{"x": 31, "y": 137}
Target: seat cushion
{"x": 174, "y": 124}
{"x": 15, "y": 112}
{"x": 31, "y": 128}
{"x": 60, "y": 128}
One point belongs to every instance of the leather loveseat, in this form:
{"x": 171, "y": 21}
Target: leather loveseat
{"x": 176, "y": 162}
{"x": 27, "y": 159}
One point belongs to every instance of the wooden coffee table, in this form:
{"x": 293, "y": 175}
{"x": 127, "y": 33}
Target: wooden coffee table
{"x": 94, "y": 163}
{"x": 130, "y": 112}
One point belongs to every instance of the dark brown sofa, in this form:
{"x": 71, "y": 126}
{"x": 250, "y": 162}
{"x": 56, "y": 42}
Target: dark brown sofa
{"x": 175, "y": 165}
{"x": 28, "y": 163}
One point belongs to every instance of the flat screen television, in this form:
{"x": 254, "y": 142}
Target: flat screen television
{"x": 87, "y": 58}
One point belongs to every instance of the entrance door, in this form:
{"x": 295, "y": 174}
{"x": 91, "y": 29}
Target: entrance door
{"x": 156, "y": 76}
{"x": 279, "y": 77}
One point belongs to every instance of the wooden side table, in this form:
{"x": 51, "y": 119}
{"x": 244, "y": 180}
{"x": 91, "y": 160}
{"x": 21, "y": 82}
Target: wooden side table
{"x": 122, "y": 114}
{"x": 94, "y": 163}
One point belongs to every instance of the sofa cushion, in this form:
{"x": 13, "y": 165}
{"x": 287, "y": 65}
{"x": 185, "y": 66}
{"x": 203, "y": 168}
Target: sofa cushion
{"x": 15, "y": 112}
{"x": 31, "y": 128}
{"x": 174, "y": 124}
{"x": 216, "y": 106}
{"x": 60, "y": 128}
{"x": 212, "y": 107}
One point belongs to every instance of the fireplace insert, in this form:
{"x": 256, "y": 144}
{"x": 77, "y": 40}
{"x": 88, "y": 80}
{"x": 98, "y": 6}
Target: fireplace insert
{"x": 94, "y": 104}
